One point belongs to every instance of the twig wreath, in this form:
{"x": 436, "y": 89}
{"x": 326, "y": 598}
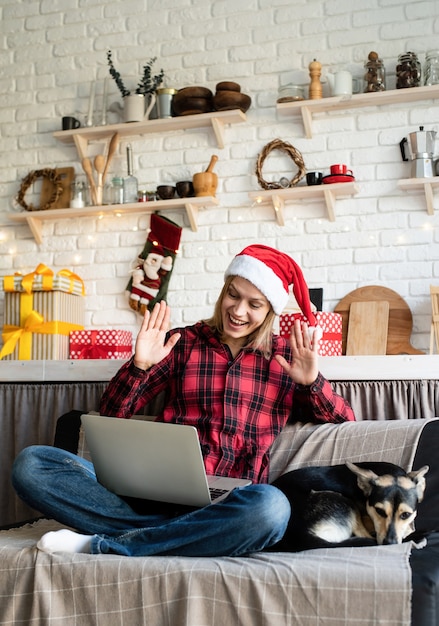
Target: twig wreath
{"x": 283, "y": 146}
{"x": 52, "y": 176}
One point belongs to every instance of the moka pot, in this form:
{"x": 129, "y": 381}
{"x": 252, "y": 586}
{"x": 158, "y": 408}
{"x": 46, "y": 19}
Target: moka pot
{"x": 421, "y": 151}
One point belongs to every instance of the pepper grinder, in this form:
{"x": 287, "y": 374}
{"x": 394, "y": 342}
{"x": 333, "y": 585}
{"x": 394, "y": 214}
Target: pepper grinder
{"x": 315, "y": 86}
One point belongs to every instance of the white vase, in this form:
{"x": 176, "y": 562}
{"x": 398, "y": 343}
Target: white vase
{"x": 134, "y": 107}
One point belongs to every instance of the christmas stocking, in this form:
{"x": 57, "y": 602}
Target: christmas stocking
{"x": 150, "y": 277}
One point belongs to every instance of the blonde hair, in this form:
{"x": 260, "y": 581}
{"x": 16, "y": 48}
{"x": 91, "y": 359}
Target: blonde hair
{"x": 260, "y": 339}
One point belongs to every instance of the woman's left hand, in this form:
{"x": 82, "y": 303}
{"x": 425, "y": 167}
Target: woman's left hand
{"x": 303, "y": 369}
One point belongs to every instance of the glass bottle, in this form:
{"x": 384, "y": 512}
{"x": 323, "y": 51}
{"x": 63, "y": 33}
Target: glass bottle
{"x": 431, "y": 69}
{"x": 117, "y": 190}
{"x": 78, "y": 198}
{"x": 375, "y": 75}
{"x": 408, "y": 71}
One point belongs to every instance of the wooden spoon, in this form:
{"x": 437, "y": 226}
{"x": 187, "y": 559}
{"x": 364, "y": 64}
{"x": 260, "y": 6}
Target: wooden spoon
{"x": 114, "y": 142}
{"x": 99, "y": 164}
{"x": 87, "y": 167}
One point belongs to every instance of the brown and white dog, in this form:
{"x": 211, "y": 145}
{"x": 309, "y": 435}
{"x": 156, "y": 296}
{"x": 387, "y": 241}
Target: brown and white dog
{"x": 353, "y": 504}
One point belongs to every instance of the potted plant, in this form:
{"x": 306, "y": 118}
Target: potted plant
{"x": 134, "y": 103}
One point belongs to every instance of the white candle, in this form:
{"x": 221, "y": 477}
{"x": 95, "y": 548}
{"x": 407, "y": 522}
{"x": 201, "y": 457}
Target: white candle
{"x": 91, "y": 104}
{"x": 104, "y": 103}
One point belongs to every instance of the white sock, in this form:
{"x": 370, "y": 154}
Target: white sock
{"x": 64, "y": 541}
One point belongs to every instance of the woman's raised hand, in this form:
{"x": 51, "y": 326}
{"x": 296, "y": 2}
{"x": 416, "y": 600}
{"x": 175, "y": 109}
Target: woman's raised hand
{"x": 303, "y": 368}
{"x": 150, "y": 343}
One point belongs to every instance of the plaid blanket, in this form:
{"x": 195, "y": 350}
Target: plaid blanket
{"x": 342, "y": 586}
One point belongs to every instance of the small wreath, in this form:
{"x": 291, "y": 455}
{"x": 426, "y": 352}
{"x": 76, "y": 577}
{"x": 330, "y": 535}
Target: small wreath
{"x": 296, "y": 156}
{"x": 51, "y": 175}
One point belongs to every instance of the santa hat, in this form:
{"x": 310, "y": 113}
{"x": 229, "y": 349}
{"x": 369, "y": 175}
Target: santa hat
{"x": 272, "y": 272}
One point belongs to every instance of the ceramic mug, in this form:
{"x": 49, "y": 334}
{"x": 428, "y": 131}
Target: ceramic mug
{"x": 340, "y": 169}
{"x": 69, "y": 123}
{"x": 314, "y": 178}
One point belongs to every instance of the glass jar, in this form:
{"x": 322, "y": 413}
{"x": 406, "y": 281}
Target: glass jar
{"x": 78, "y": 195}
{"x": 291, "y": 93}
{"x": 408, "y": 71}
{"x": 375, "y": 75}
{"x": 431, "y": 68}
{"x": 117, "y": 190}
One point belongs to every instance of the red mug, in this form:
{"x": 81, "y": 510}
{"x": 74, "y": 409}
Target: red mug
{"x": 340, "y": 169}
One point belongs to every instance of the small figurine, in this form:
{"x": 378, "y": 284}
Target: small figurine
{"x": 315, "y": 87}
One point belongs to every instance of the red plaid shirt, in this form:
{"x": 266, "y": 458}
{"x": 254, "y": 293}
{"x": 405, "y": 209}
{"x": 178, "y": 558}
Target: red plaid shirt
{"x": 237, "y": 405}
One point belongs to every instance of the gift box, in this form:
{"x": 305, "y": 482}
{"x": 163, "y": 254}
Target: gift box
{"x": 40, "y": 310}
{"x": 331, "y": 324}
{"x": 101, "y": 344}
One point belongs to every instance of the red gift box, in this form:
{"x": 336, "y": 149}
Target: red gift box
{"x": 101, "y": 344}
{"x": 330, "y": 323}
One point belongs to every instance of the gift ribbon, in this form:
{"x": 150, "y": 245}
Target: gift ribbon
{"x": 47, "y": 278}
{"x": 31, "y": 322}
{"x": 97, "y": 351}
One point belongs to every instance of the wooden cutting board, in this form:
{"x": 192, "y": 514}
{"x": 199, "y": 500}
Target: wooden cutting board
{"x": 67, "y": 174}
{"x": 400, "y": 317}
{"x": 368, "y": 328}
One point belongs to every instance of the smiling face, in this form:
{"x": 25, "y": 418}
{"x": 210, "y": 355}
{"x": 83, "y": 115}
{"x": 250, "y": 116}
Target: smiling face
{"x": 243, "y": 310}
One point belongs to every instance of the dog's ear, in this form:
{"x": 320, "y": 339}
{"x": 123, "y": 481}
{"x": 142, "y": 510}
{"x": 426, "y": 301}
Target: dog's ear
{"x": 419, "y": 480}
{"x": 365, "y": 477}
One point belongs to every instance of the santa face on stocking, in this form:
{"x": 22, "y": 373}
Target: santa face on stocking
{"x": 151, "y": 274}
{"x": 147, "y": 278}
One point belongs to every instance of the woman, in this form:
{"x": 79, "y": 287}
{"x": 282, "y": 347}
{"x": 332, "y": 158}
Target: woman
{"x": 231, "y": 378}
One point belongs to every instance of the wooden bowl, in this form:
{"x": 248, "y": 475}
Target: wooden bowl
{"x": 228, "y": 85}
{"x": 205, "y": 183}
{"x": 192, "y": 100}
{"x": 227, "y": 100}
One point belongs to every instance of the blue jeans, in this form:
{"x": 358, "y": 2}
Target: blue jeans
{"x": 63, "y": 486}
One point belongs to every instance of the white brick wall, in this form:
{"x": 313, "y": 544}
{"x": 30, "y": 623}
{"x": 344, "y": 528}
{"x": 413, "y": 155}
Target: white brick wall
{"x": 53, "y": 49}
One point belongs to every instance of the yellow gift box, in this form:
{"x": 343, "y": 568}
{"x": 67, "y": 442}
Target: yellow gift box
{"x": 41, "y": 309}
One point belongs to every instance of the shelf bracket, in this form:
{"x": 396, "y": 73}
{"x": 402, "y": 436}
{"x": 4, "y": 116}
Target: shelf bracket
{"x": 192, "y": 213}
{"x": 35, "y": 228}
{"x": 218, "y": 129}
{"x": 278, "y": 206}
{"x": 81, "y": 144}
{"x": 428, "y": 190}
{"x": 330, "y": 204}
{"x": 307, "y": 121}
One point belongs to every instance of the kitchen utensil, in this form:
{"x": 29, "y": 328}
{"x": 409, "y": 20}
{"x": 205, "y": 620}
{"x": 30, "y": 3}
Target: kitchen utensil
{"x": 341, "y": 83}
{"x": 229, "y": 100}
{"x": 185, "y": 188}
{"x": 368, "y": 328}
{"x": 340, "y": 168}
{"x": 420, "y": 146}
{"x": 400, "y": 317}
{"x": 130, "y": 184}
{"x": 314, "y": 178}
{"x": 88, "y": 169}
{"x": 166, "y": 192}
{"x": 192, "y": 100}
{"x": 114, "y": 142}
{"x": 205, "y": 183}
{"x": 165, "y": 97}
{"x": 99, "y": 164}
{"x": 340, "y": 178}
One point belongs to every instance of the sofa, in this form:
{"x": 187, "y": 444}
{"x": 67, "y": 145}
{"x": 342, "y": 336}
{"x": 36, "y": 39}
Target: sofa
{"x": 395, "y": 585}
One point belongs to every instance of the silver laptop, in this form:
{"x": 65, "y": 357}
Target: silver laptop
{"x": 153, "y": 461}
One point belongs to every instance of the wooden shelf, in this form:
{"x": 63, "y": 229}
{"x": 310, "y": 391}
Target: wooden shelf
{"x": 35, "y": 219}
{"x": 426, "y": 184}
{"x": 328, "y": 193}
{"x": 306, "y": 108}
{"x": 217, "y": 120}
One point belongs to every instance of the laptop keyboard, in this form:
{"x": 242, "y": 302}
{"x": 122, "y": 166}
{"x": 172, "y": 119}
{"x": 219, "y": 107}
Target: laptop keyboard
{"x": 216, "y": 493}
